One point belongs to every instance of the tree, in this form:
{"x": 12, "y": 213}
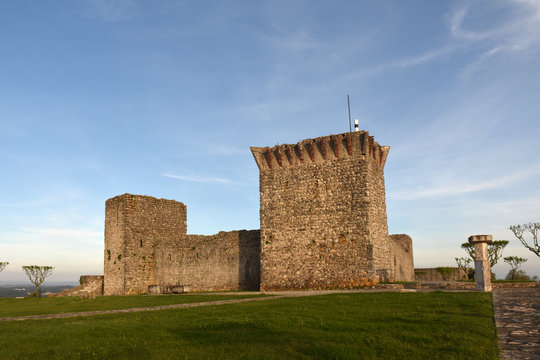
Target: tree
{"x": 514, "y": 262}
{"x": 464, "y": 264}
{"x": 531, "y": 227}
{"x": 495, "y": 250}
{"x": 37, "y": 275}
{"x": 3, "y": 265}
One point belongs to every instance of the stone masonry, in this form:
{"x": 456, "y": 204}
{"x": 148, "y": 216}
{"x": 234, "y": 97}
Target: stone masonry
{"x": 323, "y": 225}
{"x": 146, "y": 244}
{"x": 91, "y": 286}
{"x": 402, "y": 258}
{"x": 323, "y": 214}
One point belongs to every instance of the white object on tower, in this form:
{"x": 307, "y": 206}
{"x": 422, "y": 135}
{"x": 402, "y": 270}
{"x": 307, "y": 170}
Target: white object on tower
{"x": 356, "y": 125}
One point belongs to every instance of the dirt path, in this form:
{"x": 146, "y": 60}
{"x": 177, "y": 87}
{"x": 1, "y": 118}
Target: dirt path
{"x": 275, "y": 295}
{"x": 136, "y": 309}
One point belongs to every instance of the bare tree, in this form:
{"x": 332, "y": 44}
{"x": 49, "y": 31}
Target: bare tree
{"x": 531, "y": 227}
{"x": 3, "y": 265}
{"x": 514, "y": 262}
{"x": 495, "y": 250}
{"x": 37, "y": 275}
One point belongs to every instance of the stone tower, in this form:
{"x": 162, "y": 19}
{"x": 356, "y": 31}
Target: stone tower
{"x": 137, "y": 231}
{"x": 323, "y": 213}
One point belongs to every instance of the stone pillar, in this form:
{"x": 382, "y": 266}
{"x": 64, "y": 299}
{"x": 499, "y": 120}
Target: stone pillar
{"x": 482, "y": 267}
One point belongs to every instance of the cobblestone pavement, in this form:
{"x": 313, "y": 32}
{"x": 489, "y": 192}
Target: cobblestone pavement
{"x": 517, "y": 316}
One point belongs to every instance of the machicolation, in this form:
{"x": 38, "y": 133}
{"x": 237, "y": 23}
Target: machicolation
{"x": 323, "y": 225}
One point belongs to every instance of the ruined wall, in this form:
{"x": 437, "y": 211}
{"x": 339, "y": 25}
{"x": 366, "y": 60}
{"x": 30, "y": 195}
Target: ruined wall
{"x": 134, "y": 227}
{"x": 146, "y": 244}
{"x": 323, "y": 213}
{"x": 91, "y": 286}
{"x": 224, "y": 261}
{"x": 436, "y": 274}
{"x": 402, "y": 257}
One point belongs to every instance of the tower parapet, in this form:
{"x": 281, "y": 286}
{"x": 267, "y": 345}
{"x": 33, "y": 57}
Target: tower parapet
{"x": 321, "y": 149}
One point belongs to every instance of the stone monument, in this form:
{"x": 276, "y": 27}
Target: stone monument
{"x": 482, "y": 267}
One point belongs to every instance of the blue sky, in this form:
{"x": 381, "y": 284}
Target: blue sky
{"x": 164, "y": 98}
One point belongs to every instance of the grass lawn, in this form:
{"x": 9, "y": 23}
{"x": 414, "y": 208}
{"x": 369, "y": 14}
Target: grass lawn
{"x": 339, "y": 326}
{"x": 51, "y": 305}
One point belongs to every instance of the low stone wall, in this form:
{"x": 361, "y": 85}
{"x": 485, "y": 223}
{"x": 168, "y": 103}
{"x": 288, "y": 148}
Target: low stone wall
{"x": 516, "y": 285}
{"x": 91, "y": 286}
{"x": 457, "y": 285}
{"x": 438, "y": 274}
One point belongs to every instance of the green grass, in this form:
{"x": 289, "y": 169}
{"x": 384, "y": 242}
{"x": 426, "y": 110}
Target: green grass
{"x": 340, "y": 326}
{"x": 51, "y": 305}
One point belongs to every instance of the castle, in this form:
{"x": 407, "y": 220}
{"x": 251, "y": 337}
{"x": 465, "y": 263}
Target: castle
{"x": 323, "y": 226}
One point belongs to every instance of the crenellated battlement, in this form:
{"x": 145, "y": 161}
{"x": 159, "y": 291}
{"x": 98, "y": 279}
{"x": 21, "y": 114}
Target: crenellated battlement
{"x": 321, "y": 149}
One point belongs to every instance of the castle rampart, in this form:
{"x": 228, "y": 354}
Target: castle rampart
{"x": 146, "y": 244}
{"x": 323, "y": 225}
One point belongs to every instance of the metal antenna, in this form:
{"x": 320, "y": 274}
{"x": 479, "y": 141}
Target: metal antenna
{"x": 349, "y": 106}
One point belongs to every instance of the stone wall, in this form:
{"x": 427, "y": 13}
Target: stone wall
{"x": 435, "y": 274}
{"x": 323, "y": 213}
{"x": 224, "y": 261}
{"x": 146, "y": 244}
{"x": 91, "y": 286}
{"x": 402, "y": 257}
{"x": 323, "y": 225}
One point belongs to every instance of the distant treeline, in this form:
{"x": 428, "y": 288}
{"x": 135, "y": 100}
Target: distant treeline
{"x": 23, "y": 290}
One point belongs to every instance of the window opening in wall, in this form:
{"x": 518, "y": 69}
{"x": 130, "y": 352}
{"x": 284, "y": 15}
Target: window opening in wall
{"x": 141, "y": 242}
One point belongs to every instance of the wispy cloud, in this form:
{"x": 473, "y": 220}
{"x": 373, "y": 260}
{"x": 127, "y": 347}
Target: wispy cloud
{"x": 419, "y": 59}
{"x": 452, "y": 189}
{"x": 61, "y": 232}
{"x": 401, "y": 63}
{"x": 199, "y": 179}
{"x": 475, "y": 65}
{"x": 224, "y": 150}
{"x": 295, "y": 42}
{"x": 111, "y": 11}
{"x": 457, "y": 29}
{"x": 520, "y": 32}
{"x": 57, "y": 197}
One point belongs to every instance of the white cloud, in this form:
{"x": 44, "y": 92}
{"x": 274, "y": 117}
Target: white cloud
{"x": 519, "y": 33}
{"x": 111, "y": 11}
{"x": 457, "y": 29}
{"x": 57, "y": 232}
{"x": 463, "y": 188}
{"x": 199, "y": 179}
{"x": 224, "y": 150}
{"x": 472, "y": 67}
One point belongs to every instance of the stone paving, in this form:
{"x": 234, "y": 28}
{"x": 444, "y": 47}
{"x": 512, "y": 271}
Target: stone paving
{"x": 517, "y": 316}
